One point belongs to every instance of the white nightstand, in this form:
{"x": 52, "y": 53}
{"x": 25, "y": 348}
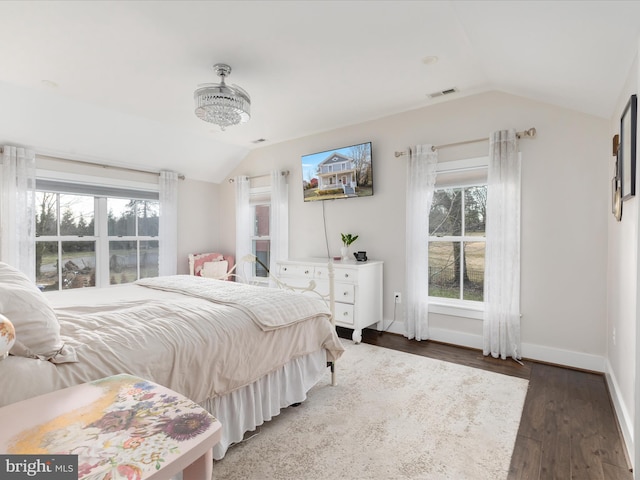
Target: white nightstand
{"x": 357, "y": 288}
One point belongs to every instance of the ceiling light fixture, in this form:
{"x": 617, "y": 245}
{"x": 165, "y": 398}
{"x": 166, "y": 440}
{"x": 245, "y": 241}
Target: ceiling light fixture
{"x": 221, "y": 104}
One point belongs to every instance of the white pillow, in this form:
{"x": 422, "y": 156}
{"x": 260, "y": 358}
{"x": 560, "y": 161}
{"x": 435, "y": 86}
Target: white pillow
{"x": 36, "y": 324}
{"x": 215, "y": 269}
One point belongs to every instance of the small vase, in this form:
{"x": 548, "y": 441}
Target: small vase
{"x": 344, "y": 253}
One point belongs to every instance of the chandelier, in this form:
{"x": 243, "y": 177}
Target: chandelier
{"x": 222, "y": 104}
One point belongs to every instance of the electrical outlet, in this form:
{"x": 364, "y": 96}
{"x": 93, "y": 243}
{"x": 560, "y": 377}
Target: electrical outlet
{"x": 397, "y": 297}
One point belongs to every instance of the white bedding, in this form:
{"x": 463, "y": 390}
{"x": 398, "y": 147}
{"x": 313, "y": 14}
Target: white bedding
{"x": 196, "y": 347}
{"x": 269, "y": 308}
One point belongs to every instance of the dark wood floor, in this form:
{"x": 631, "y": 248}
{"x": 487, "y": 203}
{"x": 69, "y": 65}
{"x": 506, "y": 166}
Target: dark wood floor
{"x": 568, "y": 428}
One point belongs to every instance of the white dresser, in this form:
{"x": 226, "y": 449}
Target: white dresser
{"x": 357, "y": 288}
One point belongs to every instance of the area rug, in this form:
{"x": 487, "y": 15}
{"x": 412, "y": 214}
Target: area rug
{"x": 393, "y": 415}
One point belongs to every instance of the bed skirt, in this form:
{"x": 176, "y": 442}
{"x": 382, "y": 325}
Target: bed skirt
{"x": 245, "y": 409}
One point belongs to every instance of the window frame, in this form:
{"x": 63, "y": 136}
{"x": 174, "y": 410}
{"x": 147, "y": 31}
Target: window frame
{"x": 100, "y": 188}
{"x": 472, "y": 309}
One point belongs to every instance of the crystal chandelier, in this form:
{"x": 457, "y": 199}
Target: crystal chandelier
{"x": 222, "y": 104}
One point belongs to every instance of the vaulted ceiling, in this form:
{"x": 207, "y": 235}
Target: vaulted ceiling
{"x": 113, "y": 81}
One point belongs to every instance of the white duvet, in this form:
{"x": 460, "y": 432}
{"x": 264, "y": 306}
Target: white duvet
{"x": 269, "y": 308}
{"x": 197, "y": 347}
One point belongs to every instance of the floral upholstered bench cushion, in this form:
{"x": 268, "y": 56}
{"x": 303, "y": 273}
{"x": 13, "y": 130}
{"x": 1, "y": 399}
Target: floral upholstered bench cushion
{"x": 120, "y": 427}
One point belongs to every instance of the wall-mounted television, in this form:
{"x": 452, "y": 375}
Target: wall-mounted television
{"x": 340, "y": 173}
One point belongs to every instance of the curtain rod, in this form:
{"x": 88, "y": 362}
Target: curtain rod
{"x": 100, "y": 165}
{"x": 531, "y": 133}
{"x": 284, "y": 173}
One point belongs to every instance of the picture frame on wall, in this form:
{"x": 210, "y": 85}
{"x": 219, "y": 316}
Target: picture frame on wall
{"x": 627, "y": 149}
{"x": 614, "y": 188}
{"x": 616, "y": 200}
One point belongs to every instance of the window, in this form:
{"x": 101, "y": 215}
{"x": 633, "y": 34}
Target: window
{"x": 456, "y": 243}
{"x": 457, "y": 232}
{"x": 65, "y": 241}
{"x": 93, "y": 236}
{"x": 133, "y": 239}
{"x": 262, "y": 225}
{"x": 260, "y": 240}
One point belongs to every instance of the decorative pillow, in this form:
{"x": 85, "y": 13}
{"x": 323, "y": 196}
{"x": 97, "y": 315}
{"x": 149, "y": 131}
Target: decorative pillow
{"x": 215, "y": 269}
{"x": 200, "y": 259}
{"x": 35, "y": 322}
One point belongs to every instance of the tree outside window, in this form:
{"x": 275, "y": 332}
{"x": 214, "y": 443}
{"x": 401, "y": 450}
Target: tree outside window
{"x": 70, "y": 248}
{"x": 457, "y": 243}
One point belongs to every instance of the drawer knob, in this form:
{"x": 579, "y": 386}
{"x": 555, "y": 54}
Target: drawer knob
{"x": 346, "y": 275}
{"x": 345, "y": 293}
{"x": 306, "y": 272}
{"x": 285, "y": 269}
{"x": 345, "y": 314}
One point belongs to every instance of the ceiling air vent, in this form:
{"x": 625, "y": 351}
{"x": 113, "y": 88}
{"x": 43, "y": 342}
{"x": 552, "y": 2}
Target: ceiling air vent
{"x": 442, "y": 93}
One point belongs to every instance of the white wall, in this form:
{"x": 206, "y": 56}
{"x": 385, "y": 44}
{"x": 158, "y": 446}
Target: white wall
{"x": 565, "y": 209}
{"x": 198, "y": 220}
{"x": 623, "y": 336}
{"x": 622, "y": 288}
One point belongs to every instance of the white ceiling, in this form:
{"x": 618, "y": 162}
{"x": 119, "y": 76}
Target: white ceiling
{"x": 126, "y": 70}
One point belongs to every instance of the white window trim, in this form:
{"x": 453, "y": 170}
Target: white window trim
{"x": 70, "y": 177}
{"x": 464, "y": 164}
{"x": 456, "y": 308}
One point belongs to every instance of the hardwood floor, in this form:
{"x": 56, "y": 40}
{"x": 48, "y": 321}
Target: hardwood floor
{"x": 568, "y": 428}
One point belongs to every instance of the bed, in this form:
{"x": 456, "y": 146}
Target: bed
{"x": 242, "y": 352}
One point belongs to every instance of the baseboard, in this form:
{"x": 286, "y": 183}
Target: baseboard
{"x": 541, "y": 353}
{"x": 622, "y": 413}
{"x": 567, "y": 358}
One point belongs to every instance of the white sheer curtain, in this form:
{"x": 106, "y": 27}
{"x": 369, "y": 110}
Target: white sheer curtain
{"x": 168, "y": 231}
{"x": 244, "y": 223}
{"x": 502, "y": 257}
{"x": 17, "y": 209}
{"x": 278, "y": 221}
{"x": 421, "y": 179}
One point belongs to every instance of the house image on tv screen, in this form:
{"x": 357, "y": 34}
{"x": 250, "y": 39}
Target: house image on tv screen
{"x": 341, "y": 173}
{"x": 338, "y": 171}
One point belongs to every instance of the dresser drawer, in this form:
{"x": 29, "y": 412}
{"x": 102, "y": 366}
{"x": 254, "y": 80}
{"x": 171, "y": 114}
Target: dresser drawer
{"x": 344, "y": 292}
{"x": 344, "y": 314}
{"x": 347, "y": 275}
{"x": 298, "y": 271}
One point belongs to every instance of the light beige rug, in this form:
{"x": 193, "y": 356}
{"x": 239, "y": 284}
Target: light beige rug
{"x": 393, "y": 415}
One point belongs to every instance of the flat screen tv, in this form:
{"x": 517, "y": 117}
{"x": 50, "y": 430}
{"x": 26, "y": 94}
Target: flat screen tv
{"x": 340, "y": 173}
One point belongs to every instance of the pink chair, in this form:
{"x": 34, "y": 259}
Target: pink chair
{"x": 206, "y": 265}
